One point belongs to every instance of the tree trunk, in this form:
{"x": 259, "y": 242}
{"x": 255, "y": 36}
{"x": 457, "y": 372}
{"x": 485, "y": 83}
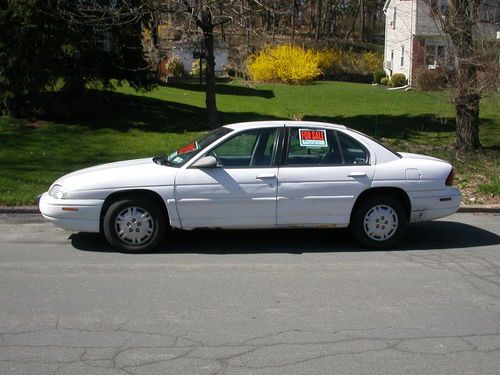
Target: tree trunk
{"x": 466, "y": 99}
{"x": 467, "y": 112}
{"x": 353, "y": 25}
{"x": 331, "y": 23}
{"x": 466, "y": 91}
{"x": 200, "y": 74}
{"x": 317, "y": 33}
{"x": 363, "y": 21}
{"x": 205, "y": 23}
{"x": 210, "y": 99}
{"x": 274, "y": 23}
{"x": 207, "y": 26}
{"x": 273, "y": 37}
{"x": 222, "y": 30}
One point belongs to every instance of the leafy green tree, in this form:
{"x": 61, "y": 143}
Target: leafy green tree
{"x": 43, "y": 48}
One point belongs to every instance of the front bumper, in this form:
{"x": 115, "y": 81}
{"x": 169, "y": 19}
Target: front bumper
{"x": 430, "y": 205}
{"x": 77, "y": 215}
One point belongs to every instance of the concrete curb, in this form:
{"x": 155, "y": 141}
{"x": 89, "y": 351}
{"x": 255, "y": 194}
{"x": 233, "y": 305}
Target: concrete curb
{"x": 19, "y": 210}
{"x": 476, "y": 208}
{"x": 487, "y": 208}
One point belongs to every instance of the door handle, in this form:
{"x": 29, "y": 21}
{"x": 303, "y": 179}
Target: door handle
{"x": 265, "y": 175}
{"x": 357, "y": 174}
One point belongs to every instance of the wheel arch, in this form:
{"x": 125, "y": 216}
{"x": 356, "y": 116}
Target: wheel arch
{"x": 395, "y": 192}
{"x": 133, "y": 193}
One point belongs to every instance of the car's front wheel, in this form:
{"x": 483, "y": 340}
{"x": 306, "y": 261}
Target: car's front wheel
{"x": 134, "y": 225}
{"x": 379, "y": 222}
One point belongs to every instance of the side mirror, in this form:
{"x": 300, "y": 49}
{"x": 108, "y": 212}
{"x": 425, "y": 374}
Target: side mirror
{"x": 205, "y": 162}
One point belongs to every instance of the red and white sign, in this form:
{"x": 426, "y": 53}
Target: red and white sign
{"x": 312, "y": 138}
{"x": 188, "y": 148}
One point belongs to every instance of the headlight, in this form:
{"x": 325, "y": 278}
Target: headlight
{"x": 57, "y": 192}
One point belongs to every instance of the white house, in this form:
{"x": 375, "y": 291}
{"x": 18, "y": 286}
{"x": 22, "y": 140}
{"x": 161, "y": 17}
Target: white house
{"x": 189, "y": 51}
{"x": 414, "y": 39}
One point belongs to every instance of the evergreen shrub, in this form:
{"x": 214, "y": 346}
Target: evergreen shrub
{"x": 398, "y": 80}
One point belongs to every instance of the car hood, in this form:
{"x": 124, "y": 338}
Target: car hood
{"x": 130, "y": 173}
{"x": 407, "y": 155}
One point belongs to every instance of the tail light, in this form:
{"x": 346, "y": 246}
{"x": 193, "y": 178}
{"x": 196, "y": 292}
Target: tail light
{"x": 450, "y": 178}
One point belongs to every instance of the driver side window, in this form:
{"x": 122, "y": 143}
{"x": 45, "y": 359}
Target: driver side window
{"x": 253, "y": 148}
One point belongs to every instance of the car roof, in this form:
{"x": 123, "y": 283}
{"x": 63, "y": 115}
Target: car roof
{"x": 256, "y": 124}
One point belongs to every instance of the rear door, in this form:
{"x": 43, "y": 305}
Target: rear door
{"x": 323, "y": 172}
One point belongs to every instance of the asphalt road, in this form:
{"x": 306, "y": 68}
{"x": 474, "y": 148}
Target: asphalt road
{"x": 259, "y": 302}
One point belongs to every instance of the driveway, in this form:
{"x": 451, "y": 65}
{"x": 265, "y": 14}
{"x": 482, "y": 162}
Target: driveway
{"x": 255, "y": 302}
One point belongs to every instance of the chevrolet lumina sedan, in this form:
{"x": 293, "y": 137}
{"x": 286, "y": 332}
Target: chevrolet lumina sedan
{"x": 275, "y": 174}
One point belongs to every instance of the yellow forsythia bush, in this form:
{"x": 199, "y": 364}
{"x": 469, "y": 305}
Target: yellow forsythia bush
{"x": 327, "y": 60}
{"x": 372, "y": 61}
{"x": 293, "y": 64}
{"x": 349, "y": 61}
{"x": 357, "y": 63}
{"x": 284, "y": 63}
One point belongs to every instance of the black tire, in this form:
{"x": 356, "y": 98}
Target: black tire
{"x": 145, "y": 228}
{"x": 390, "y": 229}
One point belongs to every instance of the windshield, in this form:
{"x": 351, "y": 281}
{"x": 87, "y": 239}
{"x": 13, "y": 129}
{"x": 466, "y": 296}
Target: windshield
{"x": 186, "y": 152}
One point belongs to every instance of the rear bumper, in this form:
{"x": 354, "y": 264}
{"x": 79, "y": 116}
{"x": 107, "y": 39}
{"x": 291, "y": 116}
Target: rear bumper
{"x": 77, "y": 215}
{"x": 429, "y": 205}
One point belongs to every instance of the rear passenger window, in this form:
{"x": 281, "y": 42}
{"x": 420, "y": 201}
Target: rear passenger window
{"x": 352, "y": 150}
{"x": 309, "y": 146}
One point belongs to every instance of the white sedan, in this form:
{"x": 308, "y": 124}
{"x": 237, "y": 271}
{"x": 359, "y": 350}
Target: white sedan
{"x": 276, "y": 174}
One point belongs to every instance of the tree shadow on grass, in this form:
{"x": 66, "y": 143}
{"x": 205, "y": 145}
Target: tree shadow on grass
{"x": 402, "y": 127}
{"x": 439, "y": 235}
{"x": 226, "y": 90}
{"x": 123, "y": 112}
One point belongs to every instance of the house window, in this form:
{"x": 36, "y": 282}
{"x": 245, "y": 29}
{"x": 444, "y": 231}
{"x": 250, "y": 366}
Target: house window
{"x": 430, "y": 55}
{"x": 402, "y": 55}
{"x": 435, "y": 55}
{"x": 439, "y": 7}
{"x": 440, "y": 57}
{"x": 487, "y": 12}
{"x": 394, "y": 19}
{"x": 392, "y": 56}
{"x": 443, "y": 7}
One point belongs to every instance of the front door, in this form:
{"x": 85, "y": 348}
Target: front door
{"x": 240, "y": 192}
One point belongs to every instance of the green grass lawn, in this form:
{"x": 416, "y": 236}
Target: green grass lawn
{"x": 132, "y": 125}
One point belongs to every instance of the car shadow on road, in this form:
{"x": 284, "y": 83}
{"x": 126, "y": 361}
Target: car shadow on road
{"x": 419, "y": 236}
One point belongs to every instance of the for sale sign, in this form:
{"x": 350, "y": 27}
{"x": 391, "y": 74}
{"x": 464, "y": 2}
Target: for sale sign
{"x": 312, "y": 138}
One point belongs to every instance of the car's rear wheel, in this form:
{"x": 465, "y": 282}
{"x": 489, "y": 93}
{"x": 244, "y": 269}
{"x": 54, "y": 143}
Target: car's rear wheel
{"x": 134, "y": 225}
{"x": 379, "y": 222}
